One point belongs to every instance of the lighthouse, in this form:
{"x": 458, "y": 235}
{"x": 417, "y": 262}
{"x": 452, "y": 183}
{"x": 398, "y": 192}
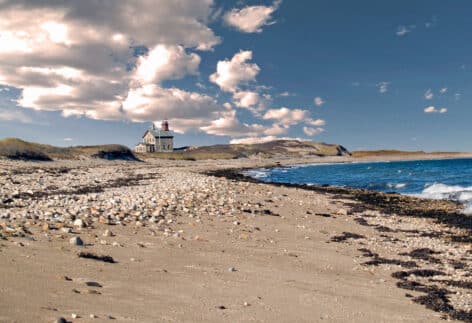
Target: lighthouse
{"x": 157, "y": 139}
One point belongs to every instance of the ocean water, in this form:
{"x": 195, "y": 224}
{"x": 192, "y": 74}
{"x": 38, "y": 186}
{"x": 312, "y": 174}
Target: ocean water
{"x": 433, "y": 179}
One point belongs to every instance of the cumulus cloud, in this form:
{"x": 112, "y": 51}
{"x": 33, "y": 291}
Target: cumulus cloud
{"x": 229, "y": 125}
{"x": 318, "y": 101}
{"x": 428, "y": 95}
{"x": 316, "y": 123}
{"x": 251, "y": 19}
{"x": 383, "y": 87}
{"x": 152, "y": 102}
{"x": 404, "y": 30}
{"x": 230, "y": 74}
{"x": 286, "y": 94}
{"x": 312, "y": 131}
{"x": 432, "y": 109}
{"x": 286, "y": 117}
{"x": 86, "y": 57}
{"x": 443, "y": 90}
{"x": 246, "y": 99}
{"x": 166, "y": 63}
{"x": 261, "y": 140}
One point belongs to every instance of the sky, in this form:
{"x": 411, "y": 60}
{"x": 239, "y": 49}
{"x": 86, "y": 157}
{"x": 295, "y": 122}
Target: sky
{"x": 365, "y": 74}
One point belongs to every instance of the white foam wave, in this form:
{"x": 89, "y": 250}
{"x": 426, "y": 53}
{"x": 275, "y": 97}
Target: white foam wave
{"x": 256, "y": 173}
{"x": 439, "y": 191}
{"x": 397, "y": 186}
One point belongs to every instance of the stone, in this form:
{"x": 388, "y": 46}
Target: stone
{"x": 60, "y": 320}
{"x": 108, "y": 233}
{"x": 76, "y": 241}
{"x": 79, "y": 223}
{"x": 232, "y": 269}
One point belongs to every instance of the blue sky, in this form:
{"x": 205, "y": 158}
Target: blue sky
{"x": 386, "y": 74}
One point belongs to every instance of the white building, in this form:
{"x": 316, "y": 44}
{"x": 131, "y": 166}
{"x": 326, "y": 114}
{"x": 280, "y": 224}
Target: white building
{"x": 156, "y": 140}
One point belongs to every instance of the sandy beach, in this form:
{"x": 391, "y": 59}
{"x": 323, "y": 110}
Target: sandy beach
{"x": 175, "y": 241}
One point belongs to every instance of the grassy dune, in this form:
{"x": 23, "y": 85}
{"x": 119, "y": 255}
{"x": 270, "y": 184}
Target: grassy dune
{"x": 17, "y": 149}
{"x": 279, "y": 148}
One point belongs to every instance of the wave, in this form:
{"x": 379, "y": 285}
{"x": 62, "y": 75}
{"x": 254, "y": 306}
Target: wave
{"x": 397, "y": 186}
{"x": 439, "y": 191}
{"x": 257, "y": 173}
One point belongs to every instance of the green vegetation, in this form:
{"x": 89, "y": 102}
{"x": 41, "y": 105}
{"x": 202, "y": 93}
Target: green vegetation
{"x": 17, "y": 149}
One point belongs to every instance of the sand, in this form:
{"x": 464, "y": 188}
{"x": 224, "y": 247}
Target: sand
{"x": 218, "y": 250}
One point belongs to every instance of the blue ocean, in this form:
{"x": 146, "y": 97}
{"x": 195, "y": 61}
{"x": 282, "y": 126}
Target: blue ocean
{"x": 434, "y": 179}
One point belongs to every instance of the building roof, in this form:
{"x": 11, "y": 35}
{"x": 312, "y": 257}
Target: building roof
{"x": 159, "y": 133}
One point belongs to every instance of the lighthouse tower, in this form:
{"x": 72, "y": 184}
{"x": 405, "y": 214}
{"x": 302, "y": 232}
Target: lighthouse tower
{"x": 165, "y": 125}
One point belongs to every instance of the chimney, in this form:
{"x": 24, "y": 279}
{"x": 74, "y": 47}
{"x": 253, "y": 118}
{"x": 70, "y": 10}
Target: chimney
{"x": 165, "y": 125}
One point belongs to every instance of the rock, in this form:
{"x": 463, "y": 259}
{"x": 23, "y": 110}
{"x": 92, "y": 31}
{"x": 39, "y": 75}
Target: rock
{"x": 74, "y": 316}
{"x": 60, "y": 320}
{"x": 76, "y": 241}
{"x": 93, "y": 316}
{"x": 108, "y": 233}
{"x": 232, "y": 269}
{"x": 79, "y": 223}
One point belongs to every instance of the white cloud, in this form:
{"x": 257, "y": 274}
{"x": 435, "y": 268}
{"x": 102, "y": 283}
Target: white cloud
{"x": 68, "y": 139}
{"x": 403, "y": 30}
{"x": 443, "y": 90}
{"x": 318, "y": 101}
{"x": 251, "y": 19}
{"x": 166, "y": 63}
{"x": 78, "y": 57}
{"x": 152, "y": 102}
{"x": 261, "y": 140}
{"x": 246, "y": 99}
{"x": 312, "y": 131}
{"x": 432, "y": 109}
{"x": 286, "y": 94}
{"x": 286, "y": 117}
{"x": 229, "y": 125}
{"x": 383, "y": 87}
{"x": 276, "y": 129}
{"x": 230, "y": 74}
{"x": 429, "y": 94}
{"x": 316, "y": 123}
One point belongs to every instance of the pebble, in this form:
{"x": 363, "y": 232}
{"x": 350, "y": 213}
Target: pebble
{"x": 108, "y": 233}
{"x": 176, "y": 197}
{"x": 60, "y": 320}
{"x": 76, "y": 241}
{"x": 232, "y": 269}
{"x": 79, "y": 223}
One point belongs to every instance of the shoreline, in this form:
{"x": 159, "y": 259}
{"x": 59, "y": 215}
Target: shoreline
{"x": 165, "y": 241}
